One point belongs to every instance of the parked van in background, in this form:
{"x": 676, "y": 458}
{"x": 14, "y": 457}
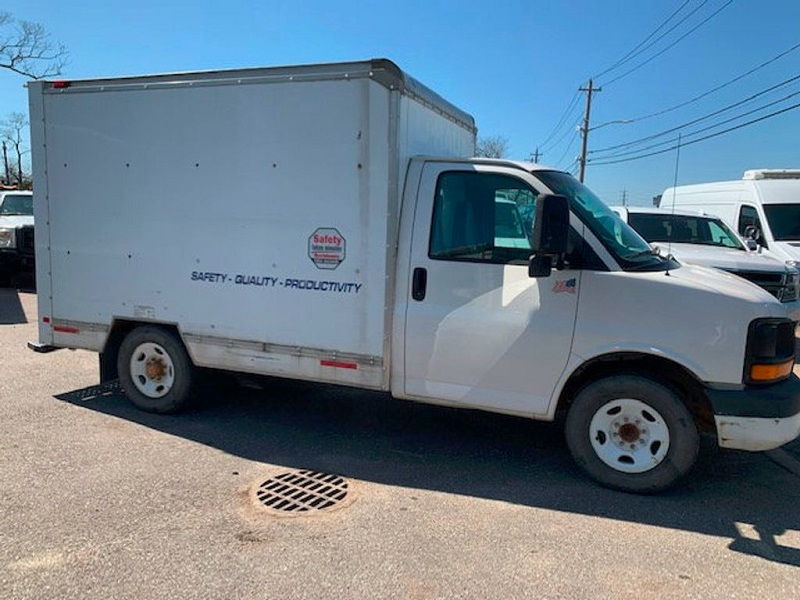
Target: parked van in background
{"x": 700, "y": 239}
{"x": 763, "y": 205}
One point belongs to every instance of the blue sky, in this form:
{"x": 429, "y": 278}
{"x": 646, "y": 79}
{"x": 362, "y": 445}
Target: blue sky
{"x": 514, "y": 65}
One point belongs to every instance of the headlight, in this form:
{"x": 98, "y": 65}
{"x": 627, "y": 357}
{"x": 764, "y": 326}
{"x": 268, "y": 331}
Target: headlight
{"x": 770, "y": 350}
{"x": 791, "y": 289}
{"x": 793, "y": 264}
{"x": 8, "y": 238}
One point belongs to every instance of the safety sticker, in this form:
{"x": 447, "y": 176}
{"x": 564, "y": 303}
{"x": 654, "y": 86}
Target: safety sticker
{"x": 326, "y": 248}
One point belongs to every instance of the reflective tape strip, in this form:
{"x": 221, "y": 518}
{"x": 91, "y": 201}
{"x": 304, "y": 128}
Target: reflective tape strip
{"x": 338, "y": 365}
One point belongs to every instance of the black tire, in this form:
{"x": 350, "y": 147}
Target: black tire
{"x": 179, "y": 396}
{"x": 684, "y": 440}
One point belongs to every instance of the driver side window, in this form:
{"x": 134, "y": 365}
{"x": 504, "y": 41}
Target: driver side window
{"x": 483, "y": 217}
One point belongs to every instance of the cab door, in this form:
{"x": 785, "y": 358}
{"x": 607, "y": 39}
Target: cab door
{"x": 479, "y": 331}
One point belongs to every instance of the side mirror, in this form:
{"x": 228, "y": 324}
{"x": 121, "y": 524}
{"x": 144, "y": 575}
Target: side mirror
{"x": 751, "y": 244}
{"x": 751, "y": 232}
{"x": 551, "y": 225}
{"x": 540, "y": 266}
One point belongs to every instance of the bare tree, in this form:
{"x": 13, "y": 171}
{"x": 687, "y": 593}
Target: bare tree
{"x": 13, "y": 128}
{"x": 26, "y": 48}
{"x": 492, "y": 147}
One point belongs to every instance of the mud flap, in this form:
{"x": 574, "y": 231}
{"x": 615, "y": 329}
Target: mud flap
{"x": 108, "y": 366}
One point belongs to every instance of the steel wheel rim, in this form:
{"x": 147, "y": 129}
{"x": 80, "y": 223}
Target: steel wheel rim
{"x": 629, "y": 436}
{"x": 152, "y": 370}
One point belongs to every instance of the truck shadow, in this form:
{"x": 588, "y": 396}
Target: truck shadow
{"x": 372, "y": 437}
{"x": 11, "y": 311}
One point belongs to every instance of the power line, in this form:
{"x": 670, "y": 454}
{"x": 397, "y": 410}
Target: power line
{"x": 660, "y": 52}
{"x": 557, "y": 143}
{"x": 717, "y": 88}
{"x": 698, "y": 119}
{"x": 707, "y": 137}
{"x": 566, "y": 150}
{"x": 570, "y": 105}
{"x": 633, "y": 53}
{"x": 573, "y": 102}
{"x": 714, "y": 126}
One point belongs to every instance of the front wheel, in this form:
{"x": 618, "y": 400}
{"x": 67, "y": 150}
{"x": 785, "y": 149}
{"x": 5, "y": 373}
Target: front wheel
{"x": 155, "y": 370}
{"x": 632, "y": 434}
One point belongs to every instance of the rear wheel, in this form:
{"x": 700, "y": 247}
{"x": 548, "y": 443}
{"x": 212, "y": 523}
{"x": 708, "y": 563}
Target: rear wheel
{"x": 155, "y": 370}
{"x": 632, "y": 433}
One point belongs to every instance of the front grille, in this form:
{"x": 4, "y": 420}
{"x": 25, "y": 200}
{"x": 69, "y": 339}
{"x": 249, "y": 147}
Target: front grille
{"x": 779, "y": 285}
{"x": 25, "y": 242}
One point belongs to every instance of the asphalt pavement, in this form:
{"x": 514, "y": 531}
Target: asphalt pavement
{"x": 99, "y": 500}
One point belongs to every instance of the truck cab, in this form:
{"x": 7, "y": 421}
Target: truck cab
{"x": 480, "y": 331}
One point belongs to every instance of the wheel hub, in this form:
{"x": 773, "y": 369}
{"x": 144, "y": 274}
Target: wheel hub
{"x": 629, "y": 435}
{"x": 155, "y": 369}
{"x": 152, "y": 370}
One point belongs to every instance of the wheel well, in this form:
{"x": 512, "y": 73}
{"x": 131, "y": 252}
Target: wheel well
{"x": 119, "y": 329}
{"x": 662, "y": 370}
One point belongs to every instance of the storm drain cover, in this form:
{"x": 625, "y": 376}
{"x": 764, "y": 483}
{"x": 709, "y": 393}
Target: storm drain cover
{"x": 302, "y": 491}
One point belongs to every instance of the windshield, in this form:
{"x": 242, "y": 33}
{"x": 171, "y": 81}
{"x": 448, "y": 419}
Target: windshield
{"x": 784, "y": 221}
{"x": 17, "y": 204}
{"x": 627, "y": 246}
{"x": 684, "y": 229}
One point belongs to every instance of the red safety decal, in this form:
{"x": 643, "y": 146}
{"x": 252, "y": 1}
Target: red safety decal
{"x": 338, "y": 365}
{"x": 65, "y": 329}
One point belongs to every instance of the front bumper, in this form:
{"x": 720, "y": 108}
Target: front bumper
{"x": 12, "y": 260}
{"x": 757, "y": 418}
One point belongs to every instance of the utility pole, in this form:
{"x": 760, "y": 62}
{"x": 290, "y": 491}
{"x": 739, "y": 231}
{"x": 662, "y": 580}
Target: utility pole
{"x": 536, "y": 155}
{"x": 624, "y": 197}
{"x": 590, "y": 89}
{"x": 7, "y": 180}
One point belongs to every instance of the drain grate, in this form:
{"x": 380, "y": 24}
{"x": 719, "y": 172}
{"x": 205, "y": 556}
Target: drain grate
{"x": 302, "y": 491}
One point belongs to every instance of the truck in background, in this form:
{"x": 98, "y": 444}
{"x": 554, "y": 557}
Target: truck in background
{"x": 764, "y": 205}
{"x": 699, "y": 238}
{"x": 17, "y": 255}
{"x": 357, "y": 243}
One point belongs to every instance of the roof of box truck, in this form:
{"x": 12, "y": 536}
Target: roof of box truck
{"x": 381, "y": 70}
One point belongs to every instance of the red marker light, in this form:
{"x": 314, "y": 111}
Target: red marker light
{"x": 60, "y": 84}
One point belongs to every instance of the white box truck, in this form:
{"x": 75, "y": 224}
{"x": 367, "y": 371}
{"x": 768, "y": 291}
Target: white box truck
{"x": 324, "y": 222}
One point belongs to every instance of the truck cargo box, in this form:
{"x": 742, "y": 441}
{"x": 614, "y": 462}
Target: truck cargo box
{"x": 255, "y": 209}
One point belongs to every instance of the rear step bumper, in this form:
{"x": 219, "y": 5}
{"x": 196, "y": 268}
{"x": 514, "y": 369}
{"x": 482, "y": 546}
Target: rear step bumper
{"x": 42, "y": 348}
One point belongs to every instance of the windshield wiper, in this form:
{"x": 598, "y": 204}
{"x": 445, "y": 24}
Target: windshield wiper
{"x": 651, "y": 252}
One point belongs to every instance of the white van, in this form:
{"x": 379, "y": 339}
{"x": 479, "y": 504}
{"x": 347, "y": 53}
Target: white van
{"x": 356, "y": 242}
{"x": 702, "y": 239}
{"x": 763, "y": 205}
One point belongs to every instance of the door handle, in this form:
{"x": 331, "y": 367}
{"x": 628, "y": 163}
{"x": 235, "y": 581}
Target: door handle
{"x": 419, "y": 284}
